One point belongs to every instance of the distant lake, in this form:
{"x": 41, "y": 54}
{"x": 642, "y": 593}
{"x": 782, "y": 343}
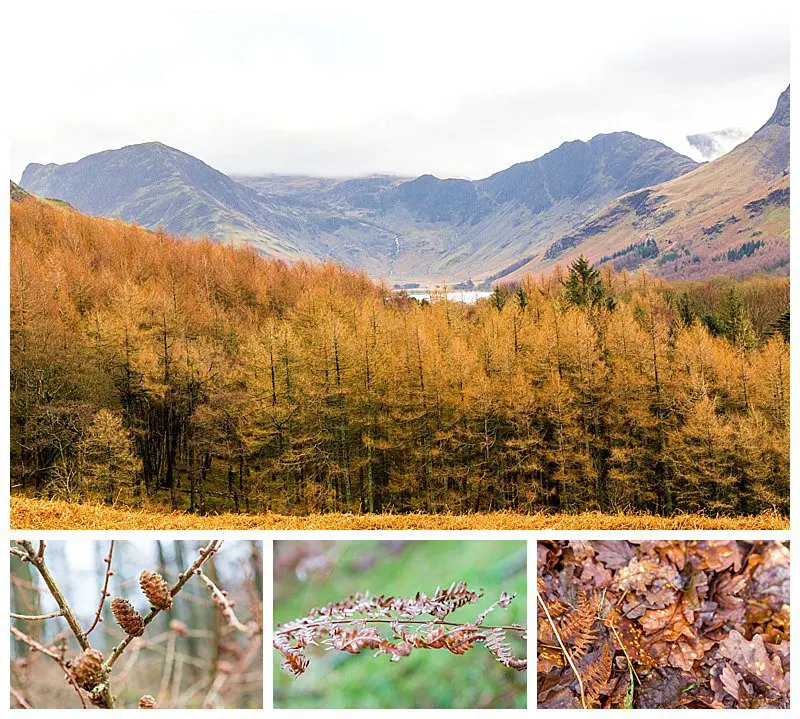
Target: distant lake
{"x": 467, "y": 297}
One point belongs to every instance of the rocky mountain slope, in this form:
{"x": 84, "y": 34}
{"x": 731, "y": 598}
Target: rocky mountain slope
{"x": 155, "y": 185}
{"x": 729, "y": 216}
{"x": 429, "y": 229}
{"x": 423, "y": 228}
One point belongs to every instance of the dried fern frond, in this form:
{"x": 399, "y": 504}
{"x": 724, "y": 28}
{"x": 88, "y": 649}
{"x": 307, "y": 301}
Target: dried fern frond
{"x": 496, "y": 642}
{"x": 577, "y": 627}
{"x": 351, "y": 625}
{"x": 597, "y": 672}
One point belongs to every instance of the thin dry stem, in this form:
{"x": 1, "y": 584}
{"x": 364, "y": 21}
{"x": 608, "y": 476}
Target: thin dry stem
{"x": 37, "y": 617}
{"x": 21, "y": 700}
{"x": 563, "y": 648}
{"x": 225, "y": 605}
{"x": 37, "y": 646}
{"x": 104, "y": 593}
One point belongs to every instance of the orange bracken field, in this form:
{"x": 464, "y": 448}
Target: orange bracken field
{"x": 42, "y": 514}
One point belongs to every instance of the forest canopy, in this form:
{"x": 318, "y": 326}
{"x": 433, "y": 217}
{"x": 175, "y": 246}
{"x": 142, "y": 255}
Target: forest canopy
{"x": 211, "y": 378}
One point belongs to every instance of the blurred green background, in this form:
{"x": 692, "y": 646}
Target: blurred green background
{"x": 309, "y": 574}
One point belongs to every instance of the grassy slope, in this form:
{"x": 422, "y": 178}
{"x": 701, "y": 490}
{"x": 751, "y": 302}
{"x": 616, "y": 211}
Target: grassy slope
{"x": 27, "y": 513}
{"x": 426, "y": 678}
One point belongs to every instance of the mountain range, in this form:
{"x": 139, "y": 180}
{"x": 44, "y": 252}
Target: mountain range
{"x": 617, "y": 198}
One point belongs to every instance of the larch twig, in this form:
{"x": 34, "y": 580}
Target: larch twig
{"x": 21, "y": 700}
{"x": 104, "y": 593}
{"x": 225, "y": 605}
{"x": 37, "y": 617}
{"x": 204, "y": 554}
{"x": 37, "y": 646}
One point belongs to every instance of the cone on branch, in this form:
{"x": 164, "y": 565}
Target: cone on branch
{"x": 148, "y": 702}
{"x": 127, "y": 617}
{"x": 87, "y": 669}
{"x": 156, "y": 590}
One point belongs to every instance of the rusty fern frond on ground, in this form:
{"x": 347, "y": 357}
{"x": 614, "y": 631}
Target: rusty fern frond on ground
{"x": 395, "y": 626}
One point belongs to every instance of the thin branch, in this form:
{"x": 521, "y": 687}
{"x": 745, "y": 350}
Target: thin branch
{"x": 213, "y": 693}
{"x": 204, "y": 554}
{"x": 21, "y": 700}
{"x": 36, "y": 558}
{"x": 36, "y": 646}
{"x": 105, "y": 593}
{"x": 225, "y": 606}
{"x": 169, "y": 661}
{"x": 37, "y": 617}
{"x": 191, "y": 691}
{"x": 33, "y": 644}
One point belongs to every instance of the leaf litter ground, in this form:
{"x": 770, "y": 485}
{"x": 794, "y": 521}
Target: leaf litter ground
{"x": 663, "y": 624}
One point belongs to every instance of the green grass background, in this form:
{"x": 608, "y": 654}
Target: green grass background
{"x": 426, "y": 678}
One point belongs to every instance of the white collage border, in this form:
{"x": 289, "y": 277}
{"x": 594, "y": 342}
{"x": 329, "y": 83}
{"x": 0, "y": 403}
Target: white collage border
{"x": 268, "y": 536}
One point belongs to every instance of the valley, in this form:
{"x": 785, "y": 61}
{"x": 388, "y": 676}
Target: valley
{"x": 601, "y": 198}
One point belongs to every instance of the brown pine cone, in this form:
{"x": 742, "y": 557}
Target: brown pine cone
{"x": 127, "y": 617}
{"x": 155, "y": 589}
{"x": 148, "y": 702}
{"x": 87, "y": 669}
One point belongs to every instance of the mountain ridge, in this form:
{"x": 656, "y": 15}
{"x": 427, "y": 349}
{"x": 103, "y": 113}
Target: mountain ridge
{"x": 523, "y": 218}
{"x": 740, "y": 228}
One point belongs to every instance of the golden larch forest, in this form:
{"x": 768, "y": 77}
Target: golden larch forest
{"x": 194, "y": 377}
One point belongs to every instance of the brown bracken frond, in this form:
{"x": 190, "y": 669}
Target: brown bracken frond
{"x": 577, "y": 627}
{"x": 352, "y": 625}
{"x": 597, "y": 673}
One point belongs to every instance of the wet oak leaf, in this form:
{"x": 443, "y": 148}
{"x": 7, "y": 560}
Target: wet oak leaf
{"x": 716, "y": 555}
{"x": 752, "y": 657}
{"x": 581, "y": 550}
{"x": 730, "y": 681}
{"x": 660, "y": 597}
{"x": 770, "y": 579}
{"x": 633, "y": 642}
{"x": 554, "y": 689}
{"x": 595, "y": 576}
{"x": 681, "y": 653}
{"x": 636, "y": 575}
{"x": 674, "y": 551}
{"x": 654, "y": 580}
{"x": 670, "y": 622}
{"x": 614, "y": 554}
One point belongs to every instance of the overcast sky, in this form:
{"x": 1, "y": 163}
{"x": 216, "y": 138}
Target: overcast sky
{"x": 345, "y": 88}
